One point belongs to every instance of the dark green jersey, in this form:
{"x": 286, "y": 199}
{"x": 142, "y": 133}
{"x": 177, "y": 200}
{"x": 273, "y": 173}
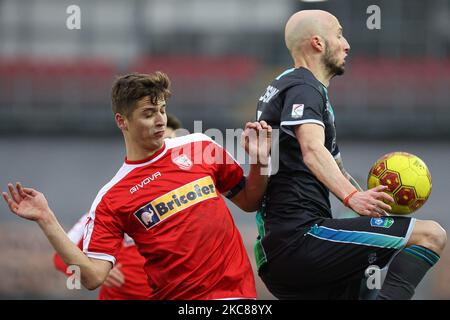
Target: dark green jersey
{"x": 294, "y": 197}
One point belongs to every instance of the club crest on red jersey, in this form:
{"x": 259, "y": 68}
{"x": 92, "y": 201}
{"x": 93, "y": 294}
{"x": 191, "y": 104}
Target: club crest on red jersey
{"x": 183, "y": 162}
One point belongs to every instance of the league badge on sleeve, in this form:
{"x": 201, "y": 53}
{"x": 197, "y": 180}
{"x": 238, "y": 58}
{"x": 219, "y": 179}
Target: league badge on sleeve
{"x": 297, "y": 111}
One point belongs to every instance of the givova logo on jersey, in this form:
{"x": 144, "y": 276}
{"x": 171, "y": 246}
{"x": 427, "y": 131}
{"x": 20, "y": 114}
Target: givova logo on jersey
{"x": 176, "y": 200}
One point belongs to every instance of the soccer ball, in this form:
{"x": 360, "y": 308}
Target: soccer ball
{"x": 407, "y": 178}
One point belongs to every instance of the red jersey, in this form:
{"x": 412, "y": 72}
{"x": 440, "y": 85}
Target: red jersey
{"x": 171, "y": 205}
{"x": 135, "y": 286}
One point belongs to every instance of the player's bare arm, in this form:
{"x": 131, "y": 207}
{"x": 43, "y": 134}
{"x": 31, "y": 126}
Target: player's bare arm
{"x": 256, "y": 140}
{"x": 340, "y": 163}
{"x": 319, "y": 160}
{"x": 30, "y": 204}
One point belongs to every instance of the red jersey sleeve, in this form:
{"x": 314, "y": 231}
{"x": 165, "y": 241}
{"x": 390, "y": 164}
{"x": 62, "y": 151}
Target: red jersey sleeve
{"x": 229, "y": 174}
{"x": 103, "y": 233}
{"x": 59, "y": 263}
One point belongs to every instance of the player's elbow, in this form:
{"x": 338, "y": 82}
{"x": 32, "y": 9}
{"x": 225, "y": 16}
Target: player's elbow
{"x": 246, "y": 206}
{"x": 248, "y": 203}
{"x": 247, "y": 199}
{"x": 254, "y": 205}
{"x": 90, "y": 286}
{"x": 91, "y": 279}
{"x": 250, "y": 208}
{"x": 92, "y": 283}
{"x": 95, "y": 273}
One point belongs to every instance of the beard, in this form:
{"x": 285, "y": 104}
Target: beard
{"x": 331, "y": 64}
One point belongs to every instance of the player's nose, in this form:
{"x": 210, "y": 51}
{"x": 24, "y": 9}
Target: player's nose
{"x": 159, "y": 119}
{"x": 346, "y": 46}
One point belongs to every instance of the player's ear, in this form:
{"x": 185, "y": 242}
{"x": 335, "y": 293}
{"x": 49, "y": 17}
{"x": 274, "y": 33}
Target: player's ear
{"x": 120, "y": 121}
{"x": 317, "y": 43}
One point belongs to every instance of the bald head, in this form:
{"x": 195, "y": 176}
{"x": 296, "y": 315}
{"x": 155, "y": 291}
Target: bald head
{"x": 304, "y": 24}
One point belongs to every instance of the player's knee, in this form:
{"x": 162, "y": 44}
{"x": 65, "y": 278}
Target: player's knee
{"x": 433, "y": 236}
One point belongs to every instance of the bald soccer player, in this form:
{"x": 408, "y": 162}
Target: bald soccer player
{"x": 301, "y": 251}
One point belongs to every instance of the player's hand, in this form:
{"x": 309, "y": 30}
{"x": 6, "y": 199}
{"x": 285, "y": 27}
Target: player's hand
{"x": 256, "y": 141}
{"x": 26, "y": 202}
{"x": 115, "y": 277}
{"x": 372, "y": 202}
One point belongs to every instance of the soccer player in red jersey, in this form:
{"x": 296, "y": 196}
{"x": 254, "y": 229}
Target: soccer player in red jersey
{"x": 127, "y": 280}
{"x": 167, "y": 196}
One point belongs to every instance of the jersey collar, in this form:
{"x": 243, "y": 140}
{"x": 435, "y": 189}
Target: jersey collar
{"x": 148, "y": 159}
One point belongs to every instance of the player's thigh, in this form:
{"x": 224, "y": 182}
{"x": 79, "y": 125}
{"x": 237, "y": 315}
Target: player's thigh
{"x": 310, "y": 268}
{"x": 335, "y": 251}
{"x": 341, "y": 249}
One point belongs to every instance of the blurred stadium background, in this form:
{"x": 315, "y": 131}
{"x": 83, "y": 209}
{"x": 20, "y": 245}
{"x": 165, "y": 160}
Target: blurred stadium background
{"x": 57, "y": 132}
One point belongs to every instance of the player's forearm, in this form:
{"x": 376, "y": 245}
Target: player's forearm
{"x": 347, "y": 175}
{"x": 69, "y": 252}
{"x": 255, "y": 186}
{"x": 324, "y": 167}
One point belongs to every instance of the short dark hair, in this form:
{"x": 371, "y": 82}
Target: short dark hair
{"x": 173, "y": 122}
{"x": 128, "y": 89}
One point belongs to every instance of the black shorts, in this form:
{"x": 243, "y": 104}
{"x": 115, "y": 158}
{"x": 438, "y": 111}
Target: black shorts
{"x": 329, "y": 260}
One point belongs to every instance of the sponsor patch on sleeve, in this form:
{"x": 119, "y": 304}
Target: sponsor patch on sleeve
{"x": 297, "y": 111}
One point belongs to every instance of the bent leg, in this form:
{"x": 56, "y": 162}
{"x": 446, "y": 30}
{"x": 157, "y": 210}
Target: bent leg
{"x": 428, "y": 234}
{"x": 408, "y": 268}
{"x": 332, "y": 253}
